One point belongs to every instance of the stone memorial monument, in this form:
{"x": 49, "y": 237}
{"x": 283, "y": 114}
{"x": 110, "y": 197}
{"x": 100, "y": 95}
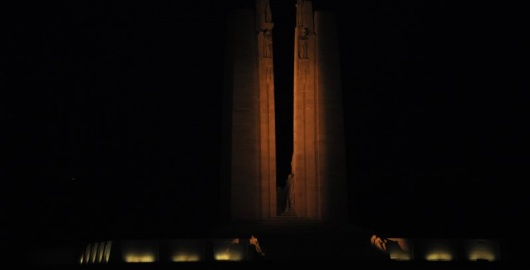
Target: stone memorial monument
{"x": 250, "y": 189}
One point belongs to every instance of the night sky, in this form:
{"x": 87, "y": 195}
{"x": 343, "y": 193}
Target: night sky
{"x": 111, "y": 116}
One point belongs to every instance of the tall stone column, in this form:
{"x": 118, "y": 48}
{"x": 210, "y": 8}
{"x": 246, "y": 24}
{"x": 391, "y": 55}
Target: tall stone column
{"x": 317, "y": 183}
{"x": 304, "y": 163}
{"x": 249, "y": 190}
{"x": 318, "y": 164}
{"x": 264, "y": 26}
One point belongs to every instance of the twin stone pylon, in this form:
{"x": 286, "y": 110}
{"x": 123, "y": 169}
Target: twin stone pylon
{"x": 317, "y": 187}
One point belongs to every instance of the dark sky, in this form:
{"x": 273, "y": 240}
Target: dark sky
{"x": 112, "y": 115}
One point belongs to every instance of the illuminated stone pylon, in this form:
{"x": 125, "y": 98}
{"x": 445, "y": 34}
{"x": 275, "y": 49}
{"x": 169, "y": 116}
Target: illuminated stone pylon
{"x": 249, "y": 194}
{"x": 318, "y": 164}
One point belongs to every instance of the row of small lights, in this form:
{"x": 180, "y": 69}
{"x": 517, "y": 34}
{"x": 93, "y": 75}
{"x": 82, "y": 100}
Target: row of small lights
{"x": 100, "y": 253}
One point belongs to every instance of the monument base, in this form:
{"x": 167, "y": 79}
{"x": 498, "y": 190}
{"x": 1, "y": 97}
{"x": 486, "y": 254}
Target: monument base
{"x": 297, "y": 239}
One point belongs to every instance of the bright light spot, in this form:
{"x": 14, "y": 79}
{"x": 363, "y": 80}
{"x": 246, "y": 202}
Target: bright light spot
{"x": 222, "y": 256}
{"x": 439, "y": 256}
{"x": 229, "y": 250}
{"x": 101, "y": 252}
{"x": 187, "y": 250}
{"x": 94, "y": 252}
{"x": 87, "y": 253}
{"x": 440, "y": 250}
{"x": 228, "y": 256}
{"x": 139, "y": 258}
{"x": 139, "y": 251}
{"x": 482, "y": 255}
{"x": 107, "y": 251}
{"x": 186, "y": 257}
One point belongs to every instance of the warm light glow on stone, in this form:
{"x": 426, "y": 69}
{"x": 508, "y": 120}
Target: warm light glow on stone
{"x": 400, "y": 256}
{"x": 222, "y": 256}
{"x": 107, "y": 251}
{"x": 439, "y": 255}
{"x": 187, "y": 250}
{"x": 482, "y": 250}
{"x": 186, "y": 257}
{"x": 140, "y": 251}
{"x": 139, "y": 258}
{"x": 482, "y": 255}
{"x": 229, "y": 250}
{"x": 228, "y": 256}
{"x": 440, "y": 250}
{"x": 87, "y": 253}
{"x": 101, "y": 252}
{"x": 94, "y": 252}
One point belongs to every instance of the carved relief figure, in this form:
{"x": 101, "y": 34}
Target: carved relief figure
{"x": 253, "y": 241}
{"x": 263, "y": 16}
{"x": 302, "y": 43}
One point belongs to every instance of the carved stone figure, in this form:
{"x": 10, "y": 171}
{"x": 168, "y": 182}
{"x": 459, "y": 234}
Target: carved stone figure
{"x": 302, "y": 43}
{"x": 253, "y": 241}
{"x": 290, "y": 192}
{"x": 263, "y": 16}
